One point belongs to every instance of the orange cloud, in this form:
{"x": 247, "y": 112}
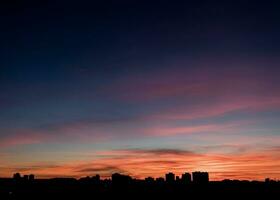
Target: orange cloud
{"x": 156, "y": 162}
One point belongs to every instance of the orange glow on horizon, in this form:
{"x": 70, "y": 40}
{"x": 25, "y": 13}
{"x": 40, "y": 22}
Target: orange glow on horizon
{"x": 144, "y": 163}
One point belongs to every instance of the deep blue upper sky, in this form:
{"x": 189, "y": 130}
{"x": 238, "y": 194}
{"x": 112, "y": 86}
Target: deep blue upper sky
{"x": 49, "y": 47}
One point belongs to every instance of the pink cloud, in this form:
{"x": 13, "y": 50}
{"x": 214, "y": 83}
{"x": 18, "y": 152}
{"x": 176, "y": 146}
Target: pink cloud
{"x": 91, "y": 132}
{"x": 181, "y": 82}
{"x": 140, "y": 163}
{"x": 226, "y": 127}
{"x": 202, "y": 92}
{"x": 167, "y": 131}
{"x": 206, "y": 110}
{"x": 22, "y": 137}
{"x": 66, "y": 132}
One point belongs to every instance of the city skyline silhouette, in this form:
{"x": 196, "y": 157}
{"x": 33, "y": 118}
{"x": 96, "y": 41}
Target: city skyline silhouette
{"x": 195, "y": 184}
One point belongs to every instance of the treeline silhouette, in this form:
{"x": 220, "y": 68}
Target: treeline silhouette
{"x": 195, "y": 185}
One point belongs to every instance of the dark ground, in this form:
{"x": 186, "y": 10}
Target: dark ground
{"x": 77, "y": 189}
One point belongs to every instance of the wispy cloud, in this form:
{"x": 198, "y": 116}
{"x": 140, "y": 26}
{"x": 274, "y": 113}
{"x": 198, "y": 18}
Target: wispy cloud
{"x": 182, "y": 82}
{"x": 23, "y": 137}
{"x": 158, "y": 152}
{"x": 140, "y": 163}
{"x": 219, "y": 108}
{"x": 85, "y": 131}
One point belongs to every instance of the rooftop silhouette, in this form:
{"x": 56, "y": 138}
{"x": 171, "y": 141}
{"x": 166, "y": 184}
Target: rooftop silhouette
{"x": 195, "y": 184}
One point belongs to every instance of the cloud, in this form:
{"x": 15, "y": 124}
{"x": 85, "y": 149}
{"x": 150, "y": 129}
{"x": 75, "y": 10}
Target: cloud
{"x": 161, "y": 151}
{"x": 23, "y": 137}
{"x": 249, "y": 164}
{"x": 206, "y": 128}
{"x": 85, "y": 131}
{"x": 36, "y": 167}
{"x": 201, "y": 82}
{"x": 80, "y": 130}
{"x": 102, "y": 169}
{"x": 183, "y": 93}
{"x": 231, "y": 148}
{"x": 215, "y": 109}
{"x": 160, "y": 99}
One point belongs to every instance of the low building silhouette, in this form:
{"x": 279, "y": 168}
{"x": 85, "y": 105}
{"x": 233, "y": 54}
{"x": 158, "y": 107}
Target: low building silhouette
{"x": 170, "y": 177}
{"x": 96, "y": 179}
{"x": 25, "y": 177}
{"x": 121, "y": 180}
{"x": 178, "y": 180}
{"x": 31, "y": 177}
{"x": 121, "y": 186}
{"x": 200, "y": 177}
{"x": 149, "y": 180}
{"x": 186, "y": 178}
{"x": 160, "y": 180}
{"x": 17, "y": 176}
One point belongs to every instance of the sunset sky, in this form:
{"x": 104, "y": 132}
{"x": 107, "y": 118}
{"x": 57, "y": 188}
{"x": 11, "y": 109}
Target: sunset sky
{"x": 141, "y": 88}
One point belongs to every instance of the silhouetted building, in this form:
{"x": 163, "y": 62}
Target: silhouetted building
{"x": 31, "y": 177}
{"x": 186, "y": 178}
{"x": 170, "y": 177}
{"x": 120, "y": 180}
{"x": 17, "y": 176}
{"x": 200, "y": 177}
{"x": 267, "y": 180}
{"x": 85, "y": 179}
{"x": 125, "y": 187}
{"x": 178, "y": 180}
{"x": 25, "y": 177}
{"x": 91, "y": 180}
{"x": 96, "y": 179}
{"x": 160, "y": 180}
{"x": 149, "y": 180}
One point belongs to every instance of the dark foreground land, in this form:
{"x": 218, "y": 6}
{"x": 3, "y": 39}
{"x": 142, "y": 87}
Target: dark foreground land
{"x": 135, "y": 189}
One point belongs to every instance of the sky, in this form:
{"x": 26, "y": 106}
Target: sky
{"x": 140, "y": 88}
